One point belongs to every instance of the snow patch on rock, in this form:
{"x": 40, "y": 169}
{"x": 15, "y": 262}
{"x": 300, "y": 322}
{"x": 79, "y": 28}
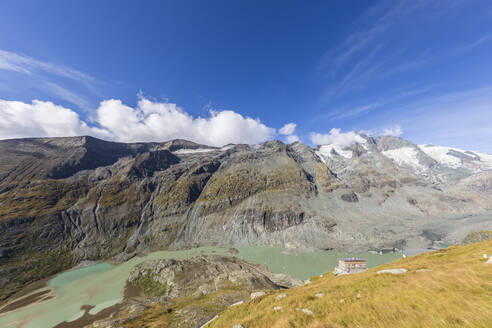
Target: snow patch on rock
{"x": 193, "y": 151}
{"x": 444, "y": 155}
{"x": 405, "y": 156}
{"x": 325, "y": 151}
{"x": 440, "y": 155}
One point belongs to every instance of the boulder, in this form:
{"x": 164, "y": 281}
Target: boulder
{"x": 392, "y": 271}
{"x": 307, "y": 311}
{"x": 257, "y": 294}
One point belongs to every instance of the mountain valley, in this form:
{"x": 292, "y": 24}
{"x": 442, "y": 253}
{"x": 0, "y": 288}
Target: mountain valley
{"x": 68, "y": 200}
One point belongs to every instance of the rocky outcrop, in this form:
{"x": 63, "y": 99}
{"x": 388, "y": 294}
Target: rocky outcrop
{"x": 351, "y": 198}
{"x": 200, "y": 276}
{"x": 392, "y": 271}
{"x": 477, "y": 236}
{"x": 193, "y": 290}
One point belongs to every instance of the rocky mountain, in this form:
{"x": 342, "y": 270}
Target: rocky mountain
{"x": 64, "y": 200}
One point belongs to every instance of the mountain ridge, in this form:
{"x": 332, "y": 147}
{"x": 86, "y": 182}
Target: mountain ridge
{"x": 64, "y": 200}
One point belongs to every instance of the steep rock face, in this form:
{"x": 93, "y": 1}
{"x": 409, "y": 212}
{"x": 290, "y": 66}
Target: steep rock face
{"x": 63, "y": 200}
{"x": 240, "y": 196}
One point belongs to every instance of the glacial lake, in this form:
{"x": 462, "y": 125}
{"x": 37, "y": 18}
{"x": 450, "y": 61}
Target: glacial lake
{"x": 101, "y": 285}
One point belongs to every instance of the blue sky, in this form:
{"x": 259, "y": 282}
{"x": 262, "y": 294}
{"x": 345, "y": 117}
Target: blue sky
{"x": 238, "y": 71}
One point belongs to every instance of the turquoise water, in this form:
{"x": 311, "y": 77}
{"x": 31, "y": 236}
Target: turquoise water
{"x": 101, "y": 285}
{"x": 304, "y": 265}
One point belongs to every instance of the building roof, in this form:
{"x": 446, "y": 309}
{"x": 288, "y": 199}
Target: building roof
{"x": 352, "y": 259}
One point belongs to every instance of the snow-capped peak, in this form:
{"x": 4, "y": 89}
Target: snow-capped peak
{"x": 458, "y": 158}
{"x": 337, "y": 142}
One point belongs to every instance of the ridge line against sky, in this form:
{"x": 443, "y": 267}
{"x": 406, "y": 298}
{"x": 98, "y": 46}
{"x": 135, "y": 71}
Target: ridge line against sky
{"x": 419, "y": 69}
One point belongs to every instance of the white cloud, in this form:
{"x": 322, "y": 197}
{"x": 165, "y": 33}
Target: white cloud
{"x": 41, "y": 119}
{"x": 337, "y": 138}
{"x": 366, "y": 56}
{"x": 392, "y": 131}
{"x": 356, "y": 111}
{"x": 24, "y": 64}
{"x": 66, "y": 94}
{"x": 48, "y": 77}
{"x": 292, "y": 138}
{"x": 156, "y": 121}
{"x": 287, "y": 129}
{"x": 148, "y": 121}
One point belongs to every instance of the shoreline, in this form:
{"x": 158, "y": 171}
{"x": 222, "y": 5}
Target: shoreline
{"x": 24, "y": 301}
{"x": 87, "y": 318}
{"x": 129, "y": 292}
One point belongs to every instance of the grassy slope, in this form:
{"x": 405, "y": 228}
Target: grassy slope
{"x": 456, "y": 293}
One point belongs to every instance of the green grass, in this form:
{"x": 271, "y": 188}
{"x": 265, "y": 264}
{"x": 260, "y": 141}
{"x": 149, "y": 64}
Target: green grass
{"x": 118, "y": 192}
{"x": 150, "y": 286}
{"x": 39, "y": 197}
{"x": 456, "y": 293}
